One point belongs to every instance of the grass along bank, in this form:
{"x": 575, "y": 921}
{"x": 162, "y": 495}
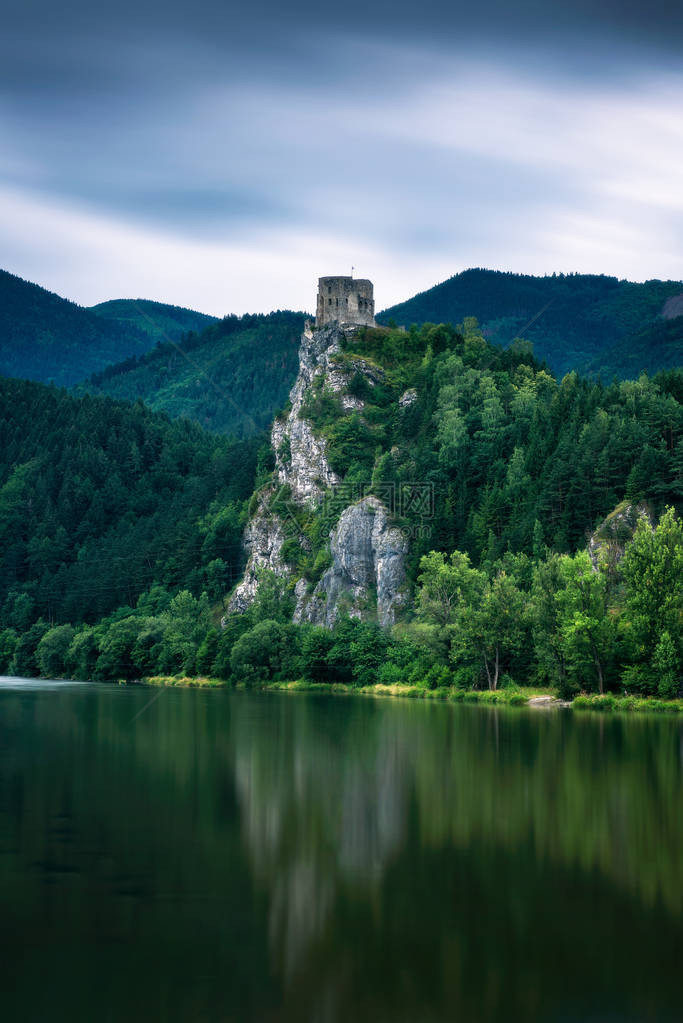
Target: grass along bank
{"x": 513, "y": 696}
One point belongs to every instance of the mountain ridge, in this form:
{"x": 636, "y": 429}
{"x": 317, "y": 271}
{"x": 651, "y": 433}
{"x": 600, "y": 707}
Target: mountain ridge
{"x": 570, "y": 318}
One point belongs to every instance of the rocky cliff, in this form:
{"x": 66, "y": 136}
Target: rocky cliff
{"x": 367, "y": 553}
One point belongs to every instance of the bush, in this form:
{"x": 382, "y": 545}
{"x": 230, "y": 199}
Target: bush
{"x": 51, "y": 652}
{"x": 639, "y": 678}
{"x": 465, "y": 677}
{"x": 391, "y": 674}
{"x": 268, "y": 651}
{"x": 8, "y": 644}
{"x": 316, "y": 646}
{"x": 81, "y": 657}
{"x": 437, "y": 676}
{"x": 24, "y": 662}
{"x": 567, "y": 688}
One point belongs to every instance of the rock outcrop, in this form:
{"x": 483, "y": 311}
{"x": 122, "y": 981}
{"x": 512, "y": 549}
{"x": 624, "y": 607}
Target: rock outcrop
{"x": 367, "y": 575}
{"x": 607, "y": 544}
{"x": 368, "y": 564}
{"x": 300, "y": 458}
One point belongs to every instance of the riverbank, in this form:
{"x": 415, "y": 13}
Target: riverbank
{"x": 534, "y": 697}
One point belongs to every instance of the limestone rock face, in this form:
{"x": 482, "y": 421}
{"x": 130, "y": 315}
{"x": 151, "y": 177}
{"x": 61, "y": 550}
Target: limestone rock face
{"x": 263, "y": 539}
{"x": 408, "y": 398}
{"x": 300, "y": 464}
{"x": 304, "y": 467}
{"x": 368, "y": 558}
{"x": 607, "y": 544}
{"x": 368, "y": 554}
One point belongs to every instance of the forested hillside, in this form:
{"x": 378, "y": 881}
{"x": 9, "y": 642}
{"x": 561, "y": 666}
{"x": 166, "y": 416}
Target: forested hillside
{"x": 231, "y": 378}
{"x": 47, "y": 338}
{"x": 496, "y": 475}
{"x": 589, "y": 323}
{"x": 657, "y": 346}
{"x": 102, "y": 502}
{"x": 122, "y": 529}
{"x": 162, "y": 322}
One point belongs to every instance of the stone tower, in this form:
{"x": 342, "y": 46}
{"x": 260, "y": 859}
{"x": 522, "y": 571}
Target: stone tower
{"x": 346, "y": 301}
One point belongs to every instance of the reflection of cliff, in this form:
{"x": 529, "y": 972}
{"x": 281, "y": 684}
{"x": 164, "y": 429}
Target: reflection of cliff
{"x": 283, "y": 858}
{"x": 324, "y": 808}
{"x": 327, "y": 810}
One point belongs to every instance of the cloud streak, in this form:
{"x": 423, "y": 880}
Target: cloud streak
{"x": 227, "y": 170}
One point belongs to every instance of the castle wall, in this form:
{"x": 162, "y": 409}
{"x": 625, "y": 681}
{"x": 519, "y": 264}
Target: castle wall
{"x": 345, "y": 300}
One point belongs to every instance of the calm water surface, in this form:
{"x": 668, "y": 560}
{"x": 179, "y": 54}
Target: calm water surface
{"x": 229, "y": 856}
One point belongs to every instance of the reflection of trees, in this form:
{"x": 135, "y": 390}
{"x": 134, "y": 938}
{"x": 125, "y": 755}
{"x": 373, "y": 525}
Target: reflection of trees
{"x": 333, "y": 795}
{"x": 411, "y": 861}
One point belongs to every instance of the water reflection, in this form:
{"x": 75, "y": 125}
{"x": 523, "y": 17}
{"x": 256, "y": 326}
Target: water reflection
{"x": 236, "y": 856}
{"x": 559, "y": 824}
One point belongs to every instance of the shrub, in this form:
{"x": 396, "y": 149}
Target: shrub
{"x": 438, "y": 675}
{"x": 8, "y": 643}
{"x": 316, "y": 647}
{"x": 268, "y": 651}
{"x": 391, "y": 674}
{"x": 639, "y": 678}
{"x": 567, "y": 688}
{"x": 24, "y": 659}
{"x": 52, "y": 650}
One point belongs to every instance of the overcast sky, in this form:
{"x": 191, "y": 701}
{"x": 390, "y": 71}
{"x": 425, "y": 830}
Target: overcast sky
{"x": 224, "y": 157}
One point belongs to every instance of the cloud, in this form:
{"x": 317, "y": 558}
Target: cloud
{"x": 88, "y": 258}
{"x": 235, "y": 167}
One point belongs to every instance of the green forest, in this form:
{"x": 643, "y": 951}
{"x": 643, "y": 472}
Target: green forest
{"x": 161, "y": 321}
{"x": 105, "y": 506}
{"x": 122, "y": 529}
{"x": 47, "y": 338}
{"x": 591, "y": 323}
{"x": 232, "y": 377}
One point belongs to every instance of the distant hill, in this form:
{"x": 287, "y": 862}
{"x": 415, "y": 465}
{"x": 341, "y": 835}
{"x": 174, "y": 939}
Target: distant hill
{"x": 47, "y": 338}
{"x": 101, "y": 500}
{"x": 572, "y": 320}
{"x": 657, "y": 346}
{"x": 232, "y": 378}
{"x": 162, "y": 322}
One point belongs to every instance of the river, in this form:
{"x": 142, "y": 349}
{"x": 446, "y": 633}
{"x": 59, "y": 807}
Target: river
{"x": 217, "y": 856}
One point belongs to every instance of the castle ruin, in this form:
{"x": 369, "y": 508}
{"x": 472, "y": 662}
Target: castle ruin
{"x": 344, "y": 300}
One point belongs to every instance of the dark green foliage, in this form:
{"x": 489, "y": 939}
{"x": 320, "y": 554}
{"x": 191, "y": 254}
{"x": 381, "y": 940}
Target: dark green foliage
{"x": 100, "y": 501}
{"x": 232, "y": 377}
{"x": 316, "y": 646}
{"x": 267, "y": 652}
{"x": 658, "y": 346}
{"x": 162, "y": 322}
{"x": 45, "y": 337}
{"x": 514, "y": 459}
{"x": 353, "y": 653}
{"x": 24, "y": 663}
{"x": 51, "y": 652}
{"x": 8, "y": 644}
{"x": 121, "y": 529}
{"x": 575, "y": 321}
